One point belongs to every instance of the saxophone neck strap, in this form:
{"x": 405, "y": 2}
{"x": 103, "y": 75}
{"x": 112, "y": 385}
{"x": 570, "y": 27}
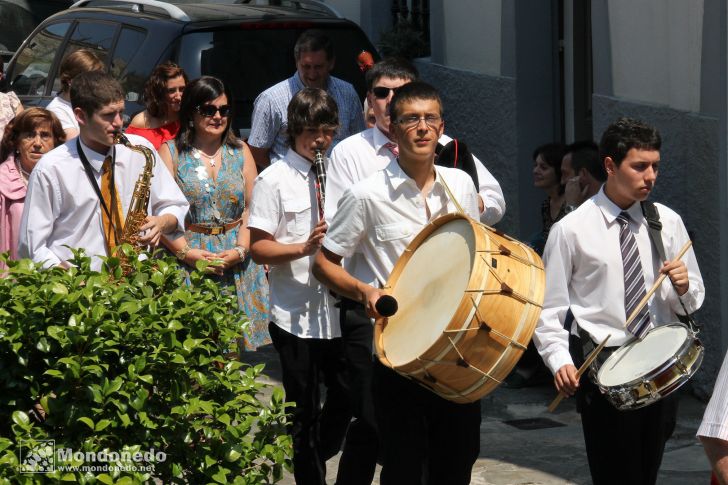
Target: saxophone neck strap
{"x": 92, "y": 180}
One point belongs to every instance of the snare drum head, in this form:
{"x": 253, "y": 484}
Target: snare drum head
{"x": 429, "y": 291}
{"x": 638, "y": 358}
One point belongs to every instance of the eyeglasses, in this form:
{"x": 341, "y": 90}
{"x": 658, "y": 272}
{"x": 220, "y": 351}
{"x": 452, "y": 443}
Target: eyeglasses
{"x": 410, "y": 122}
{"x": 209, "y": 110}
{"x": 380, "y": 92}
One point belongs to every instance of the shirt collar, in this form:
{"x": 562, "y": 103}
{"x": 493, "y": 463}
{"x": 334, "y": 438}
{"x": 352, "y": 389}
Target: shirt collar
{"x": 95, "y": 159}
{"x": 612, "y": 210}
{"x": 299, "y": 163}
{"x": 298, "y": 82}
{"x": 397, "y": 176}
{"x": 379, "y": 139}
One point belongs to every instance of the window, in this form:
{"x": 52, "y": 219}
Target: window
{"x": 95, "y": 36}
{"x": 128, "y": 67}
{"x": 31, "y": 70}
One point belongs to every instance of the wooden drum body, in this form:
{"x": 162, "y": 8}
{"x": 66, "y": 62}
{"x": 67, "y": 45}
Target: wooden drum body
{"x": 469, "y": 299}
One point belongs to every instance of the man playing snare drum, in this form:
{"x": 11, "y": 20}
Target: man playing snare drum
{"x": 599, "y": 260}
{"x": 426, "y": 439}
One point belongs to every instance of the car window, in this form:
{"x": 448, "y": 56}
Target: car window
{"x": 95, "y": 36}
{"x": 251, "y": 60}
{"x": 128, "y": 64}
{"x": 35, "y": 60}
{"x": 18, "y": 19}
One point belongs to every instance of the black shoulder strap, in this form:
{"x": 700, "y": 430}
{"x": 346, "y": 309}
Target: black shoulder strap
{"x": 649, "y": 210}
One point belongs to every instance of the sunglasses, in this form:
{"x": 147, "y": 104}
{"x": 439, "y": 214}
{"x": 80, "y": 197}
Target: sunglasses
{"x": 380, "y": 92}
{"x": 209, "y": 110}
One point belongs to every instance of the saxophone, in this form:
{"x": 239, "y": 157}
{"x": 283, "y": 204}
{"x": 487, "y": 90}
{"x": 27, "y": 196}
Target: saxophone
{"x": 137, "y": 214}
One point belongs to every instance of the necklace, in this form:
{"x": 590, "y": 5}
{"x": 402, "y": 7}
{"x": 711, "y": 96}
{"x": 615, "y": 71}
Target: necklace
{"x": 23, "y": 174}
{"x": 198, "y": 154}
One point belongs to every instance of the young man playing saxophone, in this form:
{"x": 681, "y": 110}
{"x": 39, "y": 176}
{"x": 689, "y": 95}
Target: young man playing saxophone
{"x": 80, "y": 192}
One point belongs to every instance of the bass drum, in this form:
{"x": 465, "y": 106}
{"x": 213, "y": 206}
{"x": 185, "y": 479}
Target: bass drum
{"x": 469, "y": 298}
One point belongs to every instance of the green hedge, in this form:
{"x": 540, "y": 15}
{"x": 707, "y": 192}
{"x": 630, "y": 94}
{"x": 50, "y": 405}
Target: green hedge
{"x": 130, "y": 365}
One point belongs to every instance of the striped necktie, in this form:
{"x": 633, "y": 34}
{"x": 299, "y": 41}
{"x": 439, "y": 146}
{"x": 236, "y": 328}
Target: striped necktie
{"x": 392, "y": 147}
{"x": 634, "y": 280}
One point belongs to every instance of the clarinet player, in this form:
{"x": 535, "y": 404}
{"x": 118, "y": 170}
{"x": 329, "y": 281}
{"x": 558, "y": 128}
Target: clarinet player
{"x": 286, "y": 229}
{"x": 79, "y": 193}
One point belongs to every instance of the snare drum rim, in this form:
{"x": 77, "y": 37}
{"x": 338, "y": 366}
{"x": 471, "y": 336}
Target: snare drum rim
{"x": 614, "y": 392}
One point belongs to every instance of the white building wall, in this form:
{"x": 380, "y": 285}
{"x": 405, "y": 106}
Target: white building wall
{"x": 466, "y": 34}
{"x": 656, "y": 51}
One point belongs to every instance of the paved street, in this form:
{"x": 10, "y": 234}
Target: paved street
{"x": 545, "y": 448}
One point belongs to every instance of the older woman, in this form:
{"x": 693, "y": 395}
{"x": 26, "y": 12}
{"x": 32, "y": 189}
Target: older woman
{"x": 81, "y": 60}
{"x": 32, "y": 133}
{"x": 162, "y": 97}
{"x": 216, "y": 172}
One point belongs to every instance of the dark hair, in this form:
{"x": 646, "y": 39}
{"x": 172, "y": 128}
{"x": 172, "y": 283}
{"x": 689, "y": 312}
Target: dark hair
{"x": 311, "y": 107}
{"x": 313, "y": 41}
{"x": 26, "y": 121}
{"x": 155, "y": 89}
{"x": 82, "y": 60}
{"x": 585, "y": 154}
{"x": 93, "y": 90}
{"x": 416, "y": 90}
{"x": 625, "y": 134}
{"x": 552, "y": 153}
{"x": 392, "y": 67}
{"x": 197, "y": 93}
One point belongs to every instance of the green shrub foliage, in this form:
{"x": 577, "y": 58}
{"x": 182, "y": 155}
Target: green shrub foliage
{"x": 131, "y": 364}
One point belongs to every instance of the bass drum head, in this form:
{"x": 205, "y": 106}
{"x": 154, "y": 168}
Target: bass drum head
{"x": 638, "y": 358}
{"x": 429, "y": 291}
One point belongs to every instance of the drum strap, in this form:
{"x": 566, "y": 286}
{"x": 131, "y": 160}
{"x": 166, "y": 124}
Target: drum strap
{"x": 449, "y": 193}
{"x": 649, "y": 210}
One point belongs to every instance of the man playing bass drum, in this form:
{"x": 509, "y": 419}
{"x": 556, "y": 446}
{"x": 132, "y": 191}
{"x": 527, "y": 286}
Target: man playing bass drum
{"x": 599, "y": 259}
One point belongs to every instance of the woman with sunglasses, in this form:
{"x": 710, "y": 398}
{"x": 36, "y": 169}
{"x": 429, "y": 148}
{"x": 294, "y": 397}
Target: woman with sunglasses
{"x": 162, "y": 98}
{"x": 216, "y": 172}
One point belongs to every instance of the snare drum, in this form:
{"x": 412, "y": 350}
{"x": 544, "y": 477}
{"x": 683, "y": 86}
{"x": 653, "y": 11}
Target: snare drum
{"x": 469, "y": 299}
{"x": 644, "y": 371}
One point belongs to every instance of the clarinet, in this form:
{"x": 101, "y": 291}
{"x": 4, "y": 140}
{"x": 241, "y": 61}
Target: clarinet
{"x": 320, "y": 169}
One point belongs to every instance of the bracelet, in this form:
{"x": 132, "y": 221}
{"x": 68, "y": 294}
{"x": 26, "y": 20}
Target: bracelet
{"x": 241, "y": 252}
{"x": 182, "y": 253}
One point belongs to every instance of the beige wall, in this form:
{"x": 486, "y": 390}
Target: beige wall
{"x": 656, "y": 51}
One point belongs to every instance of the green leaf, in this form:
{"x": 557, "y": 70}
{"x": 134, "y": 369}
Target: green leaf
{"x": 104, "y": 478}
{"x": 59, "y": 289}
{"x": 87, "y": 421}
{"x": 20, "y": 418}
{"x": 101, "y": 425}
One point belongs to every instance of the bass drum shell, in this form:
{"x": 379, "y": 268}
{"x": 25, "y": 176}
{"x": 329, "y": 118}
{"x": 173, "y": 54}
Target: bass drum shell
{"x": 469, "y": 299}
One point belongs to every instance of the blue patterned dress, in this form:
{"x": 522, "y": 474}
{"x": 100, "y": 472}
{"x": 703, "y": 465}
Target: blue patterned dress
{"x": 218, "y": 202}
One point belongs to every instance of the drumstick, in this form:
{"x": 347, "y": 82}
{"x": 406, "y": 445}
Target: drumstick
{"x": 654, "y": 288}
{"x": 593, "y": 355}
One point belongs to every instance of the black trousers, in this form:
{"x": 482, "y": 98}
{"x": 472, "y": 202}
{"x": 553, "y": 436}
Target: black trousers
{"x": 359, "y": 459}
{"x": 623, "y": 447}
{"x": 317, "y": 432}
{"x": 425, "y": 439}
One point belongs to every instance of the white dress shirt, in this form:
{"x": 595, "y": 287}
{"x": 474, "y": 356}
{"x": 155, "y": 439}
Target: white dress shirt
{"x": 283, "y": 196}
{"x": 360, "y": 155}
{"x": 380, "y": 215}
{"x": 715, "y": 419}
{"x": 64, "y": 112}
{"x": 584, "y": 271}
{"x": 62, "y": 208}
